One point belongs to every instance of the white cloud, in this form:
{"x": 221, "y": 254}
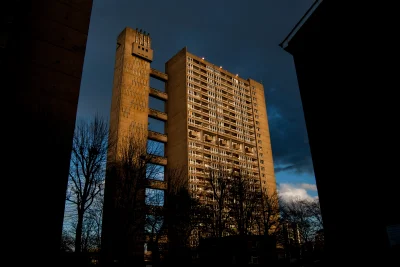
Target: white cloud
{"x": 296, "y": 191}
{"x": 311, "y": 187}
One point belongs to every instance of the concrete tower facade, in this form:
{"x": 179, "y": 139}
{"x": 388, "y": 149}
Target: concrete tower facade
{"x": 216, "y": 117}
{"x": 130, "y": 96}
{"x": 213, "y": 119}
{"x": 129, "y": 119}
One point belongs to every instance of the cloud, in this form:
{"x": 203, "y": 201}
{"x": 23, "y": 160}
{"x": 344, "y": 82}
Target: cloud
{"x": 311, "y": 187}
{"x": 289, "y": 139}
{"x": 296, "y": 191}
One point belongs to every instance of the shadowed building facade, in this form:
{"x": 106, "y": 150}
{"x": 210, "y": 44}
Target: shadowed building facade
{"x": 42, "y": 50}
{"x": 213, "y": 119}
{"x": 337, "y": 61}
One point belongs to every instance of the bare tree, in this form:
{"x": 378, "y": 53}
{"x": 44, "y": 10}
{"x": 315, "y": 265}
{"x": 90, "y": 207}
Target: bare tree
{"x": 234, "y": 203}
{"x": 88, "y": 159}
{"x": 171, "y": 216}
{"x": 183, "y": 216}
{"x": 315, "y": 212}
{"x": 217, "y": 192}
{"x": 67, "y": 241}
{"x": 244, "y": 202}
{"x": 301, "y": 226}
{"x": 91, "y": 226}
{"x": 91, "y": 234}
{"x": 129, "y": 172}
{"x": 299, "y": 214}
{"x": 269, "y": 217}
{"x": 155, "y": 223}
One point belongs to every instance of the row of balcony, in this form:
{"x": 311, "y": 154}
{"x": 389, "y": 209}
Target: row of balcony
{"x": 222, "y": 84}
{"x": 202, "y": 67}
{"x": 194, "y": 178}
{"x": 223, "y": 87}
{"x": 203, "y": 85}
{"x": 223, "y": 142}
{"x": 233, "y": 158}
{"x": 213, "y": 116}
{"x": 217, "y": 151}
{"x": 201, "y": 173}
{"x": 226, "y": 127}
{"x": 200, "y": 96}
{"x": 224, "y": 117}
{"x": 204, "y": 189}
{"x": 205, "y": 163}
{"x": 228, "y": 107}
{"x": 232, "y": 122}
{"x": 222, "y": 159}
{"x": 217, "y": 131}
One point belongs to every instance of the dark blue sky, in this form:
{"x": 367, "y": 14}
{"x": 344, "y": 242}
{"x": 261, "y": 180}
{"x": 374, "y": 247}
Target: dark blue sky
{"x": 242, "y": 36}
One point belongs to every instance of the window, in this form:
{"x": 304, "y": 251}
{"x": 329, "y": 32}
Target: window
{"x": 258, "y": 135}
{"x": 257, "y": 122}
{"x": 259, "y": 141}
{"x": 262, "y": 162}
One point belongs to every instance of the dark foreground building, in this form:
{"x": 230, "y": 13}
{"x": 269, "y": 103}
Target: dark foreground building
{"x": 344, "y": 80}
{"x": 238, "y": 251}
{"x": 42, "y": 50}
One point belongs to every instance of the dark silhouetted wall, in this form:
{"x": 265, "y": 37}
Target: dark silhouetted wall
{"x": 42, "y": 52}
{"x": 346, "y": 98}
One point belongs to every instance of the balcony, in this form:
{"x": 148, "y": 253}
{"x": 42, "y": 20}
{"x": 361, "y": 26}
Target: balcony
{"x": 158, "y": 75}
{"x": 158, "y": 94}
{"x": 193, "y": 134}
{"x": 249, "y": 150}
{"x": 157, "y": 114}
{"x": 207, "y": 138}
{"x": 157, "y": 136}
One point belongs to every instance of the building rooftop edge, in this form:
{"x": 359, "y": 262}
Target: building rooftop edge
{"x": 300, "y": 23}
{"x": 224, "y": 70}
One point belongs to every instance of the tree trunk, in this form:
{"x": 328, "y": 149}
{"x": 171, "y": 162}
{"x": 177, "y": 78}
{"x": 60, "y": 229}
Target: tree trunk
{"x": 78, "y": 233}
{"x": 220, "y": 222}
